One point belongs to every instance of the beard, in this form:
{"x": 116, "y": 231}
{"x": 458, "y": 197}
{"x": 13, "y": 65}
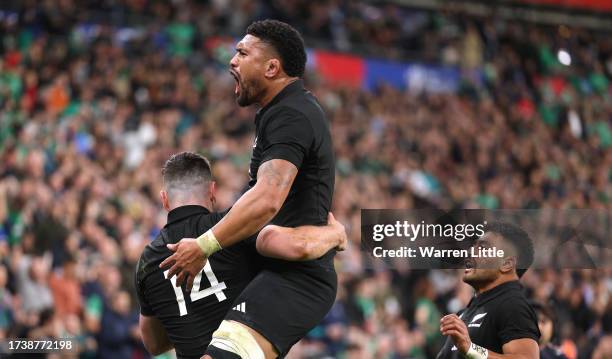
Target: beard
{"x": 480, "y": 277}
{"x": 248, "y": 93}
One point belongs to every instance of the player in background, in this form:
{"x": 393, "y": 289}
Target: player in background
{"x": 498, "y": 322}
{"x": 292, "y": 173}
{"x": 174, "y": 317}
{"x": 546, "y": 323}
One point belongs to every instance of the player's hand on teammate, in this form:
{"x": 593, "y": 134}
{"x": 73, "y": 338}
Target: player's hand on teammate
{"x": 186, "y": 261}
{"x": 339, "y": 228}
{"x": 455, "y": 327}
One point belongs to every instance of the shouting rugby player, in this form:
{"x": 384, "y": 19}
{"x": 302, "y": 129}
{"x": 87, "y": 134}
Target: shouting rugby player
{"x": 292, "y": 175}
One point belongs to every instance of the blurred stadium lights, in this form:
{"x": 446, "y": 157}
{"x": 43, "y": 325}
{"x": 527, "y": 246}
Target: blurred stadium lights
{"x": 564, "y": 57}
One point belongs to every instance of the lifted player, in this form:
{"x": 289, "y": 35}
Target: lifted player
{"x": 292, "y": 173}
{"x": 174, "y": 317}
{"x": 498, "y": 322}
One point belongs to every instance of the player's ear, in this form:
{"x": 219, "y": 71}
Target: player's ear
{"x": 508, "y": 265}
{"x": 164, "y": 198}
{"x": 273, "y": 68}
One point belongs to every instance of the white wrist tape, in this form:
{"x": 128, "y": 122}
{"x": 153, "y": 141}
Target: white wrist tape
{"x": 476, "y": 352}
{"x": 208, "y": 243}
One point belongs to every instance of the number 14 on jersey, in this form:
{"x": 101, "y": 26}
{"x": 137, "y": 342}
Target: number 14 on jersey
{"x": 197, "y": 293}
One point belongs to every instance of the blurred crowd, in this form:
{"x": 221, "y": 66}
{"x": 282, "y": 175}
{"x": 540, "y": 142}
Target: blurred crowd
{"x": 93, "y": 101}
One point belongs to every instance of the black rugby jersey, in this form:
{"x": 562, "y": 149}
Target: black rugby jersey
{"x": 191, "y": 317}
{"x": 293, "y": 127}
{"x": 495, "y": 318}
{"x": 288, "y": 299}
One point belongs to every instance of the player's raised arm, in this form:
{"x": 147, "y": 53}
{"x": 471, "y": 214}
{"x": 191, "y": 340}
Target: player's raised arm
{"x": 301, "y": 243}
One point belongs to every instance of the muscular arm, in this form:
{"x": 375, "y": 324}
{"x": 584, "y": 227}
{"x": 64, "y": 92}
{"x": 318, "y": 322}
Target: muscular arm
{"x": 301, "y": 243}
{"x": 248, "y": 215}
{"x": 154, "y": 335}
{"x": 258, "y": 205}
{"x": 524, "y": 348}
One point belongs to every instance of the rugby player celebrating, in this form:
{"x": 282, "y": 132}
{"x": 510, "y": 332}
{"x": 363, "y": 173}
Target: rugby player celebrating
{"x": 498, "y": 322}
{"x": 171, "y": 317}
{"x": 292, "y": 175}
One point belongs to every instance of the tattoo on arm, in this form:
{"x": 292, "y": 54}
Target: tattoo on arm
{"x": 277, "y": 173}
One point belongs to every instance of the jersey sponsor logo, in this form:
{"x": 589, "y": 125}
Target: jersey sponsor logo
{"x": 255, "y": 142}
{"x": 476, "y": 318}
{"x": 240, "y": 307}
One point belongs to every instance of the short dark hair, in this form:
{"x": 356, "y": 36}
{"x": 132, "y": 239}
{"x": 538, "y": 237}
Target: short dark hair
{"x": 286, "y": 40}
{"x": 543, "y": 309}
{"x": 521, "y": 241}
{"x": 186, "y": 169}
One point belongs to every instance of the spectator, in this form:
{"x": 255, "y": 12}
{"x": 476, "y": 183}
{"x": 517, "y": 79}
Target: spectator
{"x": 32, "y": 274}
{"x": 118, "y": 329}
{"x": 66, "y": 289}
{"x": 546, "y": 322}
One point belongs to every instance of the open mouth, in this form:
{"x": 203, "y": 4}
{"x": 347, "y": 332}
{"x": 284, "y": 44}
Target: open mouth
{"x": 237, "y": 79}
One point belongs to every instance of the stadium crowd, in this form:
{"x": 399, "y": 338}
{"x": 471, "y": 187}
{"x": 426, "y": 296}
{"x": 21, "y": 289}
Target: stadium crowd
{"x": 89, "y": 113}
